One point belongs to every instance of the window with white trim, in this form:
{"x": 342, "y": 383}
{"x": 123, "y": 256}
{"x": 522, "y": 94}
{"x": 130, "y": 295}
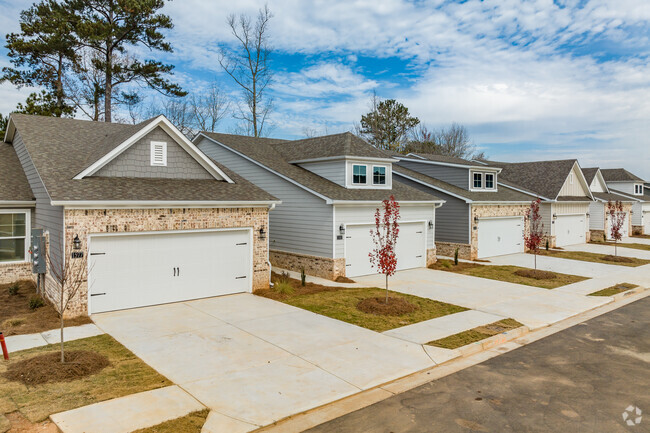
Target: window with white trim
{"x": 13, "y": 236}
{"x": 158, "y": 153}
{"x": 489, "y": 180}
{"x": 378, "y": 175}
{"x": 359, "y": 176}
{"x": 478, "y": 180}
{"x": 638, "y": 189}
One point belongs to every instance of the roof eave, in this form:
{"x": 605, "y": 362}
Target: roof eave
{"x": 148, "y": 204}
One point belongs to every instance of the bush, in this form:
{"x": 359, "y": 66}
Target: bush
{"x": 13, "y": 289}
{"x": 283, "y": 288}
{"x": 445, "y": 264}
{"x": 36, "y": 302}
{"x": 456, "y": 257}
{"x": 546, "y": 244}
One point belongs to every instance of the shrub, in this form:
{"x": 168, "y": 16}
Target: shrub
{"x": 36, "y": 302}
{"x": 445, "y": 264}
{"x": 13, "y": 289}
{"x": 456, "y": 257}
{"x": 283, "y": 288}
{"x": 303, "y": 277}
{"x": 546, "y": 244}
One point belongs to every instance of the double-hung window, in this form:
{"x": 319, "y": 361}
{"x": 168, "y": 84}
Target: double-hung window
{"x": 478, "y": 180}
{"x": 638, "y": 189}
{"x": 359, "y": 176}
{"x": 489, "y": 181}
{"x": 13, "y": 236}
{"x": 379, "y": 175}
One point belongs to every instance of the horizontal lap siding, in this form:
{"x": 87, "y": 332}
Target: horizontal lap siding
{"x": 330, "y": 170}
{"x": 301, "y": 224}
{"x": 596, "y": 216}
{"x": 453, "y": 175}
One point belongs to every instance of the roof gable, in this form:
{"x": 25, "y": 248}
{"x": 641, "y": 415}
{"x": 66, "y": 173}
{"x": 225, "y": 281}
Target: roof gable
{"x": 619, "y": 175}
{"x": 595, "y": 179}
{"x": 575, "y": 184}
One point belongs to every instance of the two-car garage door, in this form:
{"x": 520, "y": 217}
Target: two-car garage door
{"x": 136, "y": 270}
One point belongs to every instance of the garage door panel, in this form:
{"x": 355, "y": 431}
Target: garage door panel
{"x": 570, "y": 230}
{"x": 646, "y": 223}
{"x": 500, "y": 236}
{"x": 624, "y": 229}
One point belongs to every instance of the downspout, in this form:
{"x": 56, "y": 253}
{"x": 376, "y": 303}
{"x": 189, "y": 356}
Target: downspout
{"x": 268, "y": 241}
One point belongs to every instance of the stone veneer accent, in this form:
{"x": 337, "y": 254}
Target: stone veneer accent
{"x": 431, "y": 256}
{"x": 86, "y": 222}
{"x": 324, "y": 267}
{"x": 637, "y": 230}
{"x": 448, "y": 249}
{"x": 486, "y": 211}
{"x": 11, "y": 272}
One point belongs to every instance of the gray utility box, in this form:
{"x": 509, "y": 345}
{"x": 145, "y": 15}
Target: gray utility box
{"x": 38, "y": 252}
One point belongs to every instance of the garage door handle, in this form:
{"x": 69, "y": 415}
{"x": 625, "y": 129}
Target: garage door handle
{"x": 97, "y": 254}
{"x": 239, "y": 278}
{"x": 242, "y": 243}
{"x": 97, "y": 294}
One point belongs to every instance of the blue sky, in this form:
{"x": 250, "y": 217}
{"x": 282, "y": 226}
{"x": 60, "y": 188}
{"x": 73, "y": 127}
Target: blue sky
{"x": 530, "y": 80}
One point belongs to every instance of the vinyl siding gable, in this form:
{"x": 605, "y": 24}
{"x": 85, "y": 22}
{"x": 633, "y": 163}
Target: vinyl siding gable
{"x": 454, "y": 175}
{"x": 330, "y": 170}
{"x": 575, "y": 188}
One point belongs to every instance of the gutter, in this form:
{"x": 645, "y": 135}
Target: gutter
{"x": 144, "y": 204}
{"x": 20, "y": 203}
{"x": 268, "y": 245}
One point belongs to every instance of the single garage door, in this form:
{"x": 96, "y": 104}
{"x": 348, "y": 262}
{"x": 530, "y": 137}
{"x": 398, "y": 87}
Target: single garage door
{"x": 624, "y": 229}
{"x": 136, "y": 270}
{"x": 410, "y": 249}
{"x": 646, "y": 223}
{"x": 500, "y": 236}
{"x": 570, "y": 230}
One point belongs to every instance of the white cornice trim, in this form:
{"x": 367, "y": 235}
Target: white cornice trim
{"x": 344, "y": 157}
{"x": 140, "y": 204}
{"x": 375, "y": 202}
{"x": 525, "y": 192}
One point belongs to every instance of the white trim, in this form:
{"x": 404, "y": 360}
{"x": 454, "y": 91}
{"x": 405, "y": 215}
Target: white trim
{"x": 365, "y": 174}
{"x": 465, "y": 199}
{"x": 375, "y": 202}
{"x": 27, "y": 237}
{"x": 372, "y": 174}
{"x": 625, "y": 194}
{"x": 449, "y": 164}
{"x": 139, "y": 204}
{"x": 168, "y": 127}
{"x": 344, "y": 157}
{"x": 497, "y": 203}
{"x": 472, "y": 174}
{"x": 28, "y": 203}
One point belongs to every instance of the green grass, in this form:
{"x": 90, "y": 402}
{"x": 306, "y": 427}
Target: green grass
{"x": 591, "y": 257}
{"x": 126, "y": 375}
{"x": 190, "y": 423}
{"x": 614, "y": 290}
{"x": 643, "y": 247}
{"x": 341, "y": 304}
{"x": 504, "y": 273}
{"x": 477, "y": 334}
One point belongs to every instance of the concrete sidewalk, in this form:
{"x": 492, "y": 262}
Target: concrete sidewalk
{"x": 16, "y": 343}
{"x": 609, "y": 249}
{"x": 556, "y": 264}
{"x": 633, "y": 240}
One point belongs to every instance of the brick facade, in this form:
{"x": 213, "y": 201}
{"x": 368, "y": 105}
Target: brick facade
{"x": 10, "y": 272}
{"x": 86, "y": 222}
{"x": 431, "y": 256}
{"x": 323, "y": 267}
{"x": 448, "y": 249}
{"x": 487, "y": 211}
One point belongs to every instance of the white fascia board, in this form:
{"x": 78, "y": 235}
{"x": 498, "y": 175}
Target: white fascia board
{"x": 437, "y": 188}
{"x": 623, "y": 194}
{"x": 496, "y": 203}
{"x": 17, "y": 203}
{"x": 140, "y": 204}
{"x": 344, "y": 157}
{"x": 168, "y": 127}
{"x": 599, "y": 175}
{"x": 583, "y": 179}
{"x": 525, "y": 192}
{"x": 375, "y": 202}
{"x": 9, "y": 132}
{"x": 450, "y": 164}
{"x": 259, "y": 164}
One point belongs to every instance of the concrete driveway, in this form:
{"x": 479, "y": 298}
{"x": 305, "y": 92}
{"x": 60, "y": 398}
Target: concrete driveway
{"x": 564, "y": 266}
{"x": 254, "y": 361}
{"x": 633, "y": 240}
{"x": 609, "y": 249}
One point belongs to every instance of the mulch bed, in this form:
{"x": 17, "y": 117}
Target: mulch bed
{"x": 49, "y": 368}
{"x": 536, "y": 274}
{"x": 307, "y": 289}
{"x": 618, "y": 259}
{"x": 342, "y": 279}
{"x": 379, "y": 307}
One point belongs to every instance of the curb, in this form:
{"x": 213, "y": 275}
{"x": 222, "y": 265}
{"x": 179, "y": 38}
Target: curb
{"x": 627, "y": 293}
{"x": 493, "y": 341}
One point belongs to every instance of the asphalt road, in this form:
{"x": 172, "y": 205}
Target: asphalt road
{"x": 579, "y": 380}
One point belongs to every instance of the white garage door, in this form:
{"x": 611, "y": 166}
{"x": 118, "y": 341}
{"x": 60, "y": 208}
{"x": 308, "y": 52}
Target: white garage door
{"x": 410, "y": 248}
{"x": 500, "y": 236}
{"x": 570, "y": 230}
{"x": 624, "y": 229}
{"x": 646, "y": 223}
{"x": 137, "y": 270}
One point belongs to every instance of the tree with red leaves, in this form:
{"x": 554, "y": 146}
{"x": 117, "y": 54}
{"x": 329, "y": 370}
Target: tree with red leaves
{"x": 616, "y": 221}
{"x": 533, "y": 238}
{"x": 384, "y": 236}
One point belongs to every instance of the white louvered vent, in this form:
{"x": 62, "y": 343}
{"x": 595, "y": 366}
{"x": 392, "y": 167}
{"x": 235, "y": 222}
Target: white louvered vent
{"x": 158, "y": 153}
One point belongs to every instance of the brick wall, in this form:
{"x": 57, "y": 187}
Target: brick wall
{"x": 14, "y": 272}
{"x": 323, "y": 267}
{"x": 86, "y": 222}
{"x": 448, "y": 249}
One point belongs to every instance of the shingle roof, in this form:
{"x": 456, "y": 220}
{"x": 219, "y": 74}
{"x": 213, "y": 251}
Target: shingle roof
{"x": 545, "y": 178}
{"x": 446, "y": 159}
{"x": 643, "y": 198}
{"x": 619, "y": 175}
{"x": 502, "y": 194}
{"x": 590, "y": 173}
{"x": 611, "y": 196}
{"x": 270, "y": 153}
{"x": 13, "y": 182}
{"x": 62, "y": 148}
{"x": 345, "y": 144}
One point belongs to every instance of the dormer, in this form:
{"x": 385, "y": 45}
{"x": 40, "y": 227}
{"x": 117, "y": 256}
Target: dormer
{"x": 483, "y": 180}
{"x": 622, "y": 180}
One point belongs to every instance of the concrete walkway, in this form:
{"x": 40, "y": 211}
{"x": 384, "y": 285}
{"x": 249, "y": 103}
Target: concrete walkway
{"x": 28, "y": 341}
{"x": 609, "y": 249}
{"x": 556, "y": 264}
{"x": 633, "y": 240}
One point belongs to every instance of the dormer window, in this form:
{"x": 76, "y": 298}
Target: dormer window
{"x": 478, "y": 180}
{"x": 638, "y": 189}
{"x": 359, "y": 176}
{"x": 483, "y": 181}
{"x": 158, "y": 153}
{"x": 489, "y": 181}
{"x": 379, "y": 175}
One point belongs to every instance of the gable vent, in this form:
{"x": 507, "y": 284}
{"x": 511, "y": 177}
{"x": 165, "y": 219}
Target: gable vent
{"x": 158, "y": 153}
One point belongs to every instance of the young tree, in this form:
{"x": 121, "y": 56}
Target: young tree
{"x": 451, "y": 141}
{"x": 42, "y": 53}
{"x": 387, "y": 124}
{"x": 616, "y": 221}
{"x": 249, "y": 67}
{"x": 535, "y": 235}
{"x": 107, "y": 28}
{"x": 383, "y": 257}
{"x": 3, "y": 125}
{"x": 209, "y": 108}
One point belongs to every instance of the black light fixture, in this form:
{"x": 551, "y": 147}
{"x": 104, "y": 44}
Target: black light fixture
{"x": 587, "y": 214}
{"x": 475, "y": 220}
{"x": 430, "y": 224}
{"x": 554, "y": 216}
{"x": 342, "y": 229}
{"x": 76, "y": 242}
{"x": 262, "y": 233}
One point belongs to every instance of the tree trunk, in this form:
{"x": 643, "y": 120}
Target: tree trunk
{"x": 535, "y": 260}
{"x": 59, "y": 87}
{"x": 61, "y": 315}
{"x": 386, "y": 289}
{"x": 108, "y": 91}
{"x": 254, "y": 110}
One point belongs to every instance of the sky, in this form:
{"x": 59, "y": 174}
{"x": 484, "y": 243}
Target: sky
{"x": 531, "y": 80}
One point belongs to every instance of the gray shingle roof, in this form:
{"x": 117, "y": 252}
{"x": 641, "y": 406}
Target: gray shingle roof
{"x": 502, "y": 194}
{"x": 611, "y": 196}
{"x": 619, "y": 175}
{"x": 545, "y": 178}
{"x": 345, "y": 144}
{"x": 269, "y": 153}
{"x": 13, "y": 182}
{"x": 62, "y": 148}
{"x": 590, "y": 173}
{"x": 644, "y": 198}
{"x": 447, "y": 159}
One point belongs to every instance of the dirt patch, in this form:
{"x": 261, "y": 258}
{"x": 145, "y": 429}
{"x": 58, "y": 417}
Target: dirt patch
{"x": 17, "y": 318}
{"x": 20, "y": 424}
{"x": 379, "y": 307}
{"x": 298, "y": 289}
{"x": 536, "y": 274}
{"x": 448, "y": 265}
{"x": 48, "y": 367}
{"x": 618, "y": 259}
{"x": 342, "y": 279}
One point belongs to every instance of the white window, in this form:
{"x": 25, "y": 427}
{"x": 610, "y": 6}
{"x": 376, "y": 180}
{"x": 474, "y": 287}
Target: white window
{"x": 359, "y": 176}
{"x": 158, "y": 153}
{"x": 14, "y": 229}
{"x": 478, "y": 180}
{"x": 379, "y": 175}
{"x": 489, "y": 180}
{"x": 638, "y": 189}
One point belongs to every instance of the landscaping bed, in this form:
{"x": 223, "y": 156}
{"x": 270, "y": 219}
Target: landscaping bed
{"x": 190, "y": 423}
{"x": 476, "y": 334}
{"x": 342, "y": 303}
{"x": 643, "y": 247}
{"x": 615, "y": 290}
{"x": 595, "y": 257}
{"x": 125, "y": 374}
{"x": 16, "y": 316}
{"x": 510, "y": 274}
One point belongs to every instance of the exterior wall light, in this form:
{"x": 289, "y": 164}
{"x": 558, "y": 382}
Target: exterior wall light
{"x": 476, "y": 220}
{"x": 587, "y": 214}
{"x": 342, "y": 229}
{"x": 76, "y": 242}
{"x": 262, "y": 233}
{"x": 430, "y": 224}
{"x": 554, "y": 216}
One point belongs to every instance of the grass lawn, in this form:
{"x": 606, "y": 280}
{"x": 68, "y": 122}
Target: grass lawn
{"x": 504, "y": 273}
{"x": 190, "y": 423}
{"x": 641, "y": 236}
{"x": 477, "y": 334}
{"x": 643, "y": 247}
{"x": 125, "y": 375}
{"x": 592, "y": 257}
{"x": 341, "y": 304}
{"x": 17, "y": 318}
{"x": 614, "y": 290}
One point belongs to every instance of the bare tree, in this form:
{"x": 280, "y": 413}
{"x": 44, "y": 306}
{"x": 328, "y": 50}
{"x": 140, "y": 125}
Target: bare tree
{"x": 209, "y": 109}
{"x": 85, "y": 88}
{"x": 249, "y": 67}
{"x": 452, "y": 141}
{"x": 179, "y": 112}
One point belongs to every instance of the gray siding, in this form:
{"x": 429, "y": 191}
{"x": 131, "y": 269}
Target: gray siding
{"x": 136, "y": 161}
{"x": 596, "y": 215}
{"x": 47, "y": 217}
{"x": 301, "y": 224}
{"x": 453, "y": 175}
{"x": 330, "y": 170}
{"x": 452, "y": 219}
